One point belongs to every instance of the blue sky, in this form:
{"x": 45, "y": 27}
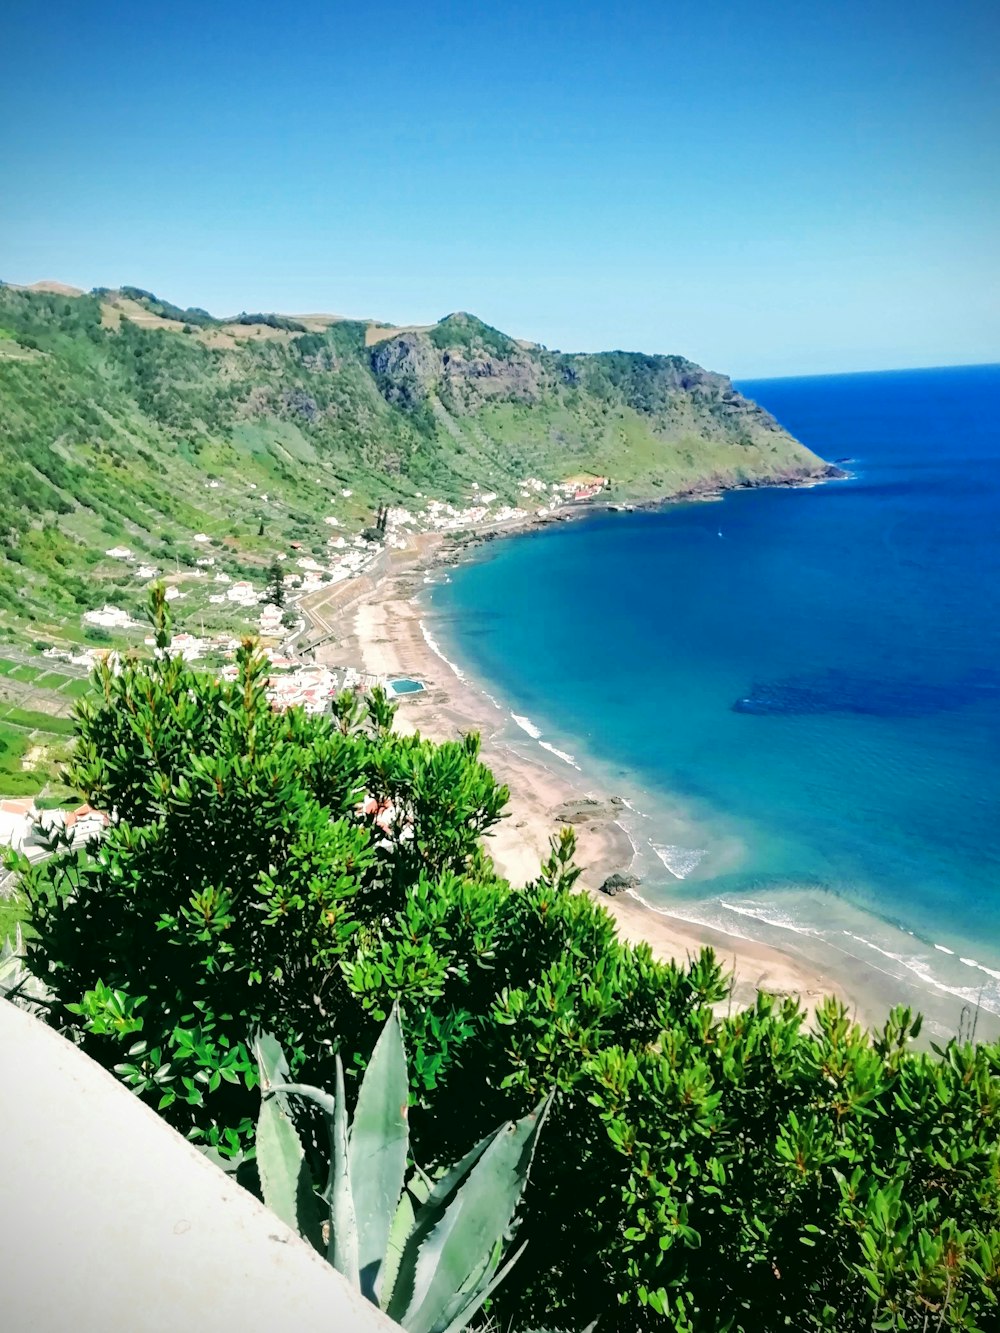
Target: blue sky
{"x": 773, "y": 188}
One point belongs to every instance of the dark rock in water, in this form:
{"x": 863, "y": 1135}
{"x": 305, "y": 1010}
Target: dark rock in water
{"x": 839, "y": 692}
{"x": 615, "y": 884}
{"x": 582, "y": 810}
{"x": 618, "y": 800}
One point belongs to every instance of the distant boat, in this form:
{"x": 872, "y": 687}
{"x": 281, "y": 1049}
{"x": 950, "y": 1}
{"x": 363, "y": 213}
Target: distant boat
{"x": 720, "y": 532}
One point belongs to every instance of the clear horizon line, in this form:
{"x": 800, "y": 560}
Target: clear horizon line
{"x": 881, "y": 370}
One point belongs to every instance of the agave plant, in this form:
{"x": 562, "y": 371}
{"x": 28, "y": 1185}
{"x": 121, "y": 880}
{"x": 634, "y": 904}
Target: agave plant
{"x": 428, "y": 1252}
{"x": 17, "y": 983}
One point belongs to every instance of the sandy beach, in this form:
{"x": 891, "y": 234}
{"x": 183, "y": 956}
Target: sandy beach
{"x": 377, "y": 625}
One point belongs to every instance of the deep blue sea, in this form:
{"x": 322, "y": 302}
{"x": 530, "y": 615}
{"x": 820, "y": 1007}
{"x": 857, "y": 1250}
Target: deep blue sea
{"x": 798, "y": 691}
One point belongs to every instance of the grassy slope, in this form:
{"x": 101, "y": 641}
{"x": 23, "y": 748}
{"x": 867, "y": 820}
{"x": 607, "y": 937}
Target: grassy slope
{"x": 121, "y": 423}
{"x": 115, "y": 437}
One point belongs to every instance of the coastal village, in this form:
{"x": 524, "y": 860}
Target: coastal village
{"x": 252, "y": 611}
{"x": 310, "y": 686}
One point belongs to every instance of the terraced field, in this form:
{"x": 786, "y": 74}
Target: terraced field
{"x": 36, "y": 728}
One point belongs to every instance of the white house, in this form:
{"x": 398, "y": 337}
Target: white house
{"x": 110, "y": 617}
{"x": 16, "y": 820}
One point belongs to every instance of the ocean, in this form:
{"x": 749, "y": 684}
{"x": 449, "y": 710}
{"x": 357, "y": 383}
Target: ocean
{"x": 796, "y": 690}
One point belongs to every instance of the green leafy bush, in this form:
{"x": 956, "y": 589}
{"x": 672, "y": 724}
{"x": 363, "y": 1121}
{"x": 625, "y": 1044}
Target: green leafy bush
{"x": 271, "y": 322}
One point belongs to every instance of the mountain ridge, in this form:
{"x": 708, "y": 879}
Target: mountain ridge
{"x": 127, "y": 420}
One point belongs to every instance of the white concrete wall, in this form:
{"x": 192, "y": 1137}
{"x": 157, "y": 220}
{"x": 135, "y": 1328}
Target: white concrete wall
{"x": 111, "y": 1223}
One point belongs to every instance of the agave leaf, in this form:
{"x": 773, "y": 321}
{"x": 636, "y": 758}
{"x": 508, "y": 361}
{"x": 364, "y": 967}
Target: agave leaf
{"x": 271, "y": 1063}
{"x": 342, "y": 1250}
{"x": 589, "y": 1329}
{"x": 17, "y": 982}
{"x": 328, "y": 1107}
{"x": 10, "y": 962}
{"x": 400, "y": 1228}
{"x": 285, "y": 1181}
{"x": 323, "y": 1100}
{"x": 432, "y": 1209}
{"x": 230, "y": 1165}
{"x": 471, "y": 1299}
{"x": 377, "y": 1151}
{"x": 474, "y": 1221}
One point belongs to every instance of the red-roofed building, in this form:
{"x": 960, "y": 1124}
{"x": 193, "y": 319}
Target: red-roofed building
{"x": 85, "y": 815}
{"x": 381, "y": 813}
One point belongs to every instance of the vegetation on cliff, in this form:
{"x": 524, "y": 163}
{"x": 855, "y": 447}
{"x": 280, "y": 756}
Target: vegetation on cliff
{"x": 126, "y": 420}
{"x": 700, "y": 1169}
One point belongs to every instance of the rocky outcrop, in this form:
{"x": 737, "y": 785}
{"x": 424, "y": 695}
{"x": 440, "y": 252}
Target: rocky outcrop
{"x": 616, "y": 884}
{"x": 518, "y": 377}
{"x": 410, "y": 366}
{"x": 407, "y": 356}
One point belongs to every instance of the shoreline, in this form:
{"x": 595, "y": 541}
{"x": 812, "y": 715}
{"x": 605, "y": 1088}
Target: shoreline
{"x": 381, "y": 630}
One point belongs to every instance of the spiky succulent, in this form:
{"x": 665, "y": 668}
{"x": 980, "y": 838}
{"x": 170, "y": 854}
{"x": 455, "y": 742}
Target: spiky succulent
{"x": 17, "y": 983}
{"x": 427, "y": 1252}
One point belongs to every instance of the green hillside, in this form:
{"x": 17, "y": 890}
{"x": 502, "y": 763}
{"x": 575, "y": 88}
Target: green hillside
{"x": 127, "y": 421}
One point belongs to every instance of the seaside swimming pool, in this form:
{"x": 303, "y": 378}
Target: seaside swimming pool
{"x": 405, "y": 686}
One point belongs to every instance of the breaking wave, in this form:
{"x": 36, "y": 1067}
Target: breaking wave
{"x": 680, "y": 861}
{"x": 526, "y": 724}
{"x": 769, "y": 915}
{"x": 435, "y": 648}
{"x": 918, "y": 966}
{"x": 560, "y": 754}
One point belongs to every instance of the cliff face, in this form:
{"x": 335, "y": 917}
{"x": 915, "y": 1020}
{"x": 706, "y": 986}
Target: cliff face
{"x": 463, "y": 359}
{"x": 460, "y": 358}
{"x": 655, "y": 425}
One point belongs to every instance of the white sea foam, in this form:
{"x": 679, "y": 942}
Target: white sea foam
{"x": 990, "y": 972}
{"x": 526, "y": 724}
{"x": 560, "y": 754}
{"x": 632, "y": 841}
{"x": 986, "y": 995}
{"x": 944, "y": 949}
{"x": 686, "y": 917}
{"x": 435, "y": 648}
{"x": 769, "y": 916}
{"x": 680, "y": 861}
{"x": 915, "y": 964}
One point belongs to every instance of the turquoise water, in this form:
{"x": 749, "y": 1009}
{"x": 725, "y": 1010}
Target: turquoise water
{"x": 797, "y": 690}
